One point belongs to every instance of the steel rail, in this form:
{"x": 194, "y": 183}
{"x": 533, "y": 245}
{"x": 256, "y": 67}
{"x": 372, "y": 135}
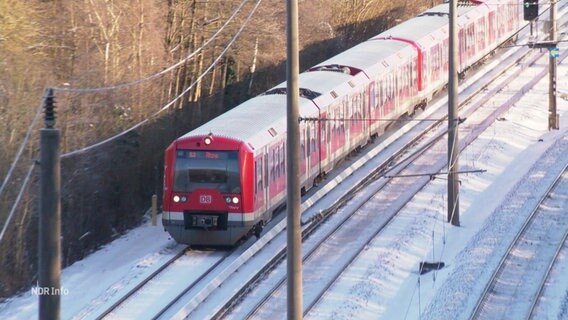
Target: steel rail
{"x": 381, "y": 171}
{"x": 561, "y": 245}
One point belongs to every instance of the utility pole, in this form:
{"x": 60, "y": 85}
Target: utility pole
{"x": 49, "y": 216}
{"x": 453, "y": 152}
{"x": 293, "y": 196}
{"x": 553, "y": 118}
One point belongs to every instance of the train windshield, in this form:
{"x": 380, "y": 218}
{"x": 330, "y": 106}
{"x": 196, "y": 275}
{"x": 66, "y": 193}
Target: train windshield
{"x": 207, "y": 169}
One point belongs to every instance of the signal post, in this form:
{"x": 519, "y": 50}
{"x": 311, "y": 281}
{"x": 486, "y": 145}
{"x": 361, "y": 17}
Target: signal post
{"x": 553, "y": 118}
{"x": 530, "y": 13}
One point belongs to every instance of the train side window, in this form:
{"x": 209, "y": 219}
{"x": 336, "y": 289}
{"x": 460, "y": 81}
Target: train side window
{"x": 392, "y": 86}
{"x": 389, "y": 87}
{"x": 276, "y": 162}
{"x": 314, "y": 148}
{"x": 259, "y": 174}
{"x": 407, "y": 76}
{"x": 265, "y": 172}
{"x": 399, "y": 80}
{"x": 414, "y": 74}
{"x": 366, "y": 95}
{"x": 308, "y": 143}
{"x": 426, "y": 76}
{"x": 382, "y": 91}
{"x": 259, "y": 184}
{"x": 283, "y": 159}
{"x": 272, "y": 163}
{"x": 255, "y": 176}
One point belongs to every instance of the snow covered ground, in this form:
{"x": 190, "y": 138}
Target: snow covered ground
{"x": 521, "y": 157}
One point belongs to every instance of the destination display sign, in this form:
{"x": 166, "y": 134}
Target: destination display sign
{"x": 213, "y": 155}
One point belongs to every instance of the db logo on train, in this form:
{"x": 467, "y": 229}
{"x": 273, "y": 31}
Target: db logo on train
{"x": 205, "y": 199}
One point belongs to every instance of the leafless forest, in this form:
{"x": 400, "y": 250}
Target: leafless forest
{"x": 109, "y": 62}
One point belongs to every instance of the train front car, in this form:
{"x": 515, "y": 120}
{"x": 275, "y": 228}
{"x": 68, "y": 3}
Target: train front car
{"x": 204, "y": 196}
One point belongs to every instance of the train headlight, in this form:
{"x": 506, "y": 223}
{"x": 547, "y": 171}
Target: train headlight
{"x": 208, "y": 139}
{"x": 228, "y": 200}
{"x": 178, "y": 199}
{"x": 235, "y": 200}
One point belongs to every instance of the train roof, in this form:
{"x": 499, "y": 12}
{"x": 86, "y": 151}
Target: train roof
{"x": 430, "y": 25}
{"x": 464, "y": 12}
{"x": 256, "y": 121}
{"x": 444, "y": 9}
{"x": 366, "y": 54}
{"x": 321, "y": 91}
{"x": 312, "y": 80}
{"x": 416, "y": 28}
{"x": 270, "y": 109}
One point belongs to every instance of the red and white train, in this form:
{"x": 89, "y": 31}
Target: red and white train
{"x": 223, "y": 180}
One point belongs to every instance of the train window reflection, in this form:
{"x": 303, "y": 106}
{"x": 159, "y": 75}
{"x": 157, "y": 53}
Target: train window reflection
{"x": 207, "y": 169}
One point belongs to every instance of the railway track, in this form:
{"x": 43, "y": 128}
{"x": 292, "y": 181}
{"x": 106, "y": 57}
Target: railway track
{"x": 167, "y": 282}
{"x": 554, "y": 279}
{"x": 142, "y": 283}
{"x": 344, "y": 242}
{"x": 269, "y": 251}
{"x": 513, "y": 290}
{"x": 203, "y": 299}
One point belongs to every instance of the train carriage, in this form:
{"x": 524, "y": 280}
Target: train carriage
{"x": 429, "y": 34}
{"x": 224, "y": 180}
{"x": 390, "y": 69}
{"x": 216, "y": 177}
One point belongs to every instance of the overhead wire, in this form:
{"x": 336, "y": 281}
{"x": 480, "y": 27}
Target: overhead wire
{"x": 158, "y": 74}
{"x": 18, "y": 198}
{"x": 118, "y": 86}
{"x": 113, "y": 87}
{"x": 22, "y": 146}
{"x": 169, "y": 104}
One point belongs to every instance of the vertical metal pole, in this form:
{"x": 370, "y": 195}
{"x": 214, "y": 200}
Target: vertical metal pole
{"x": 453, "y": 153}
{"x": 50, "y": 216}
{"x": 553, "y": 122}
{"x": 294, "y": 234}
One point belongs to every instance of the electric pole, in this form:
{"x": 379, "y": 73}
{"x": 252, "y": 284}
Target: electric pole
{"x": 453, "y": 152}
{"x": 553, "y": 119}
{"x": 293, "y": 196}
{"x": 49, "y": 217}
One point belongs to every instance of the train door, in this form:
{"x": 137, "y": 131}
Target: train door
{"x": 273, "y": 174}
{"x": 370, "y": 106}
{"x": 354, "y": 116}
{"x": 323, "y": 139}
{"x": 259, "y": 185}
{"x": 308, "y": 142}
{"x": 491, "y": 27}
{"x": 435, "y": 65}
{"x": 471, "y": 42}
{"x": 481, "y": 34}
{"x": 265, "y": 178}
{"x": 366, "y": 114}
{"x": 314, "y": 148}
{"x": 397, "y": 85}
{"x": 303, "y": 151}
{"x": 446, "y": 57}
{"x": 461, "y": 49}
{"x": 345, "y": 121}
